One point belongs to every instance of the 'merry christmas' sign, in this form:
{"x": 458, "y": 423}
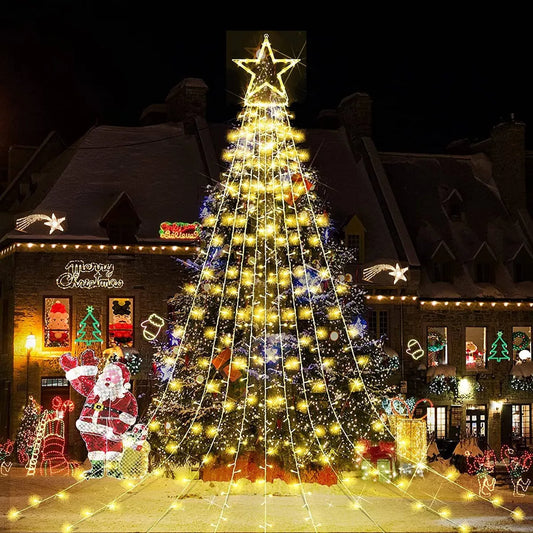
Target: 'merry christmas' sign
{"x": 81, "y": 275}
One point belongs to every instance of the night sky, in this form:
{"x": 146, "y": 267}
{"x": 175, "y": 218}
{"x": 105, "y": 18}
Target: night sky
{"x": 70, "y": 65}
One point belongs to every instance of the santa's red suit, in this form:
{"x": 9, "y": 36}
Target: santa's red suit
{"x": 109, "y": 409}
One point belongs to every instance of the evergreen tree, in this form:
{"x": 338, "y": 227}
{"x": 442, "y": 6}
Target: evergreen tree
{"x": 268, "y": 352}
{"x": 27, "y": 430}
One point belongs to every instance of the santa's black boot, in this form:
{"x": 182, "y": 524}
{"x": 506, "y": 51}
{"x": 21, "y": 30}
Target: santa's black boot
{"x": 96, "y": 471}
{"x": 113, "y": 470}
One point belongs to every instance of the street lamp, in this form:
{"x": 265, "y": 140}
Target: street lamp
{"x": 30, "y": 345}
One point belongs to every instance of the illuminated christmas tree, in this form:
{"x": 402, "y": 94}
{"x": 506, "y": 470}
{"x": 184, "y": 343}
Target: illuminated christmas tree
{"x": 27, "y": 430}
{"x": 269, "y": 360}
{"x": 94, "y": 328}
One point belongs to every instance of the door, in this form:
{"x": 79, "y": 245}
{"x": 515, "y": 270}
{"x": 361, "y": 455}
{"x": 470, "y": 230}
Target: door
{"x": 50, "y": 389}
{"x": 476, "y": 424}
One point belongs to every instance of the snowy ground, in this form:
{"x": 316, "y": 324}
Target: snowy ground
{"x": 382, "y": 507}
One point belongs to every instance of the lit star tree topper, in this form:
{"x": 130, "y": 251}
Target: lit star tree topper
{"x": 266, "y": 85}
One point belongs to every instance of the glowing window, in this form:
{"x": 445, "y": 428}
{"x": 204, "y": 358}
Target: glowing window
{"x": 436, "y": 422}
{"x": 437, "y": 345}
{"x": 521, "y": 420}
{"x": 476, "y": 421}
{"x": 476, "y": 350}
{"x": 521, "y": 342}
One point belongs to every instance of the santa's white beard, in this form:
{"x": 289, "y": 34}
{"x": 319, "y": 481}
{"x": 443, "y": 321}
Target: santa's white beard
{"x": 109, "y": 392}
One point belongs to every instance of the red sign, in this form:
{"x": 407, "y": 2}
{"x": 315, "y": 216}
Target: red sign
{"x": 179, "y": 231}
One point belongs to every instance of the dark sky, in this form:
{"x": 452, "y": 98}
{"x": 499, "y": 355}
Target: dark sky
{"x": 65, "y": 66}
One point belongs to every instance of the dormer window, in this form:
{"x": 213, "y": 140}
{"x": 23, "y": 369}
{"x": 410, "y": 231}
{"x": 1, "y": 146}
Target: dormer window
{"x": 521, "y": 265}
{"x": 453, "y": 205}
{"x": 121, "y": 221}
{"x": 484, "y": 272}
{"x": 354, "y": 237}
{"x": 353, "y": 241}
{"x": 443, "y": 271}
{"x": 442, "y": 264}
{"x": 484, "y": 265}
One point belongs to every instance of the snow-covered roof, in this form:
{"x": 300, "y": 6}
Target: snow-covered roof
{"x": 159, "y": 168}
{"x": 424, "y": 185}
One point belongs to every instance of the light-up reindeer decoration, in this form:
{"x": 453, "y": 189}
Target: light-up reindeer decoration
{"x": 482, "y": 466}
{"x": 5, "y": 451}
{"x": 517, "y": 466}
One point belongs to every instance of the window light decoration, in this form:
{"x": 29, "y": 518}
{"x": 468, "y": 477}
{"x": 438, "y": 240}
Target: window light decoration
{"x": 89, "y": 331}
{"x": 498, "y": 350}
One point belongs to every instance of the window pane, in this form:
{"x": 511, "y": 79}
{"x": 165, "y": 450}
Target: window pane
{"x": 431, "y": 420}
{"x": 526, "y": 422}
{"x": 437, "y": 346}
{"x": 352, "y": 241}
{"x": 372, "y": 323}
{"x": 475, "y": 347}
{"x": 521, "y": 421}
{"x": 383, "y": 323}
{"x": 56, "y": 322}
{"x": 521, "y": 343}
{"x": 441, "y": 423}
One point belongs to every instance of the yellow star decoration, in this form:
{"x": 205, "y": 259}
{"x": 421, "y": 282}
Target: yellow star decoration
{"x": 266, "y": 87}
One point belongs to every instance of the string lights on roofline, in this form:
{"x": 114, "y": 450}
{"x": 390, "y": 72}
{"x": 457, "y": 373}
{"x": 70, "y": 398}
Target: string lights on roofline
{"x": 95, "y": 247}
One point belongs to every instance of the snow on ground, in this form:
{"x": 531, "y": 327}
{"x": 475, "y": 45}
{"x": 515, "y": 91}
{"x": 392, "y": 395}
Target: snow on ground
{"x": 383, "y": 508}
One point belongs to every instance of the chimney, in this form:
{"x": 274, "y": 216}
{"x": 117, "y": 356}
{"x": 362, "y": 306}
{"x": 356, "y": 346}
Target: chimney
{"x": 355, "y": 113}
{"x": 507, "y": 154}
{"x": 186, "y": 101}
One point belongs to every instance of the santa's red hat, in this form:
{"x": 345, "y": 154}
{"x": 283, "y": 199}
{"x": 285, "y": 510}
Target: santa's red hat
{"x": 125, "y": 373}
{"x": 58, "y": 307}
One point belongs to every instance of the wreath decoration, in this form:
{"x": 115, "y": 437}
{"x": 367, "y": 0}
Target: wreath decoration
{"x": 520, "y": 341}
{"x": 438, "y": 341}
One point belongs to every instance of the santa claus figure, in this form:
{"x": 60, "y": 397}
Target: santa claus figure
{"x": 109, "y": 410}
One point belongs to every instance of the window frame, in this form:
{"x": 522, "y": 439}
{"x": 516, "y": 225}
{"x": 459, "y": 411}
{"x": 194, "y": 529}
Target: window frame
{"x": 437, "y": 421}
{"x": 475, "y": 369}
{"x": 520, "y": 328}
{"x": 378, "y": 323}
{"x": 527, "y": 439}
{"x": 110, "y": 337}
{"x": 48, "y": 302}
{"x": 445, "y": 347}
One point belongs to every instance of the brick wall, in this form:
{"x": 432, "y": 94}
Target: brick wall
{"x": 149, "y": 279}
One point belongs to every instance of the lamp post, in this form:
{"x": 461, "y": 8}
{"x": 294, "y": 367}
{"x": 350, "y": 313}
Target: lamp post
{"x": 30, "y": 345}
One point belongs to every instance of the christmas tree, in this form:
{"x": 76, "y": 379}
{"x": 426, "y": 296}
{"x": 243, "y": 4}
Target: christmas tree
{"x": 268, "y": 359}
{"x": 27, "y": 430}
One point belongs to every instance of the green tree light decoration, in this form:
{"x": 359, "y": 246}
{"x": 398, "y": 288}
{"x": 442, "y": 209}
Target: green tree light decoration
{"x": 96, "y": 331}
{"x": 498, "y": 350}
